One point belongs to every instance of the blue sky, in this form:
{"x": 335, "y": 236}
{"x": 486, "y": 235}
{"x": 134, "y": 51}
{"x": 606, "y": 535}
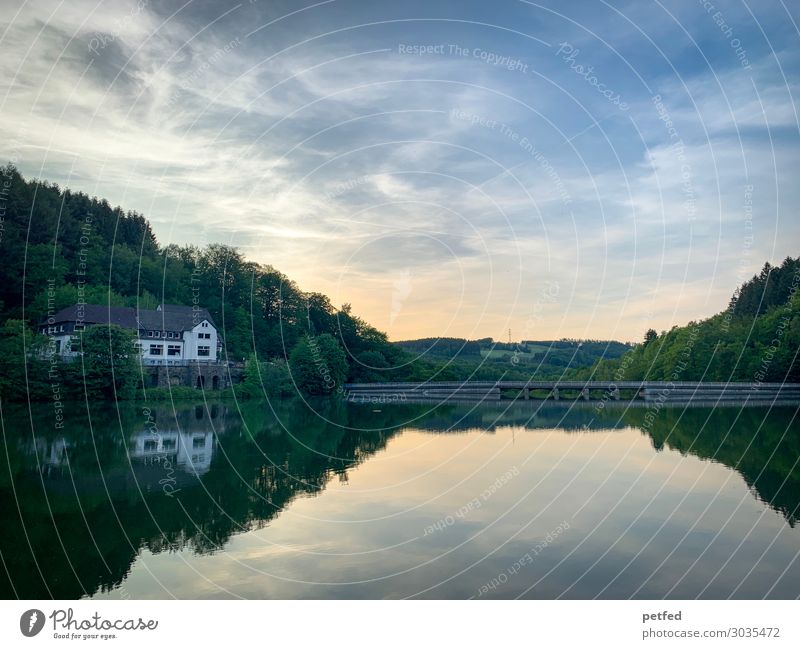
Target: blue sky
{"x": 586, "y": 169}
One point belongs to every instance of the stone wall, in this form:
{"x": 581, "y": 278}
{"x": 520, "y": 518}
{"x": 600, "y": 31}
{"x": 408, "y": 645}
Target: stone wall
{"x": 210, "y": 376}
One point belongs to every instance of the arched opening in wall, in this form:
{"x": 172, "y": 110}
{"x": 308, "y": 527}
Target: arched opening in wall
{"x": 201, "y": 381}
{"x": 215, "y": 383}
{"x": 198, "y": 412}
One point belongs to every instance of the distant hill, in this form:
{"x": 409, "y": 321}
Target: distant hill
{"x": 487, "y": 357}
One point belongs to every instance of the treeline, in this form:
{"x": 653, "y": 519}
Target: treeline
{"x": 445, "y": 347}
{"x": 755, "y": 340}
{"x": 60, "y": 247}
{"x": 772, "y": 287}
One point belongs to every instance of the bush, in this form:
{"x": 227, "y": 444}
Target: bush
{"x": 269, "y": 378}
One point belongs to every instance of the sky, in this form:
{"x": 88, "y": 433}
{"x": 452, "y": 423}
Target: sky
{"x": 467, "y": 169}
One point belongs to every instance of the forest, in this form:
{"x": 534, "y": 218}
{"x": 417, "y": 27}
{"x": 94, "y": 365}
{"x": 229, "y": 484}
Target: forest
{"x": 756, "y": 339}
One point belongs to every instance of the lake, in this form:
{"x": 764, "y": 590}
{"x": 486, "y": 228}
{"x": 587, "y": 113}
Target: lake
{"x": 335, "y": 500}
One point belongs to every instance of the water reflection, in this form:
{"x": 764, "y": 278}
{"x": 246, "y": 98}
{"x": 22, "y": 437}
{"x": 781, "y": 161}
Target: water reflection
{"x": 81, "y": 504}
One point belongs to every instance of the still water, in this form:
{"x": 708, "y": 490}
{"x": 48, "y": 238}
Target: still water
{"x": 332, "y": 500}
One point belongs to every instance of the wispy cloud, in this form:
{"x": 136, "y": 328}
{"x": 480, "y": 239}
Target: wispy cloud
{"x": 318, "y": 144}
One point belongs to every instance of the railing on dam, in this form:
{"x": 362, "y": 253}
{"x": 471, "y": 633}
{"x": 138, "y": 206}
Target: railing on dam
{"x": 555, "y": 389}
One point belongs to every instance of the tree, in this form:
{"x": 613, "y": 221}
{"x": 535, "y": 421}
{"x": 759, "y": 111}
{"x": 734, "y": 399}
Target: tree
{"x": 23, "y": 371}
{"x": 318, "y": 364}
{"x": 269, "y": 378}
{"x": 649, "y": 336}
{"x": 368, "y": 365}
{"x": 109, "y": 367}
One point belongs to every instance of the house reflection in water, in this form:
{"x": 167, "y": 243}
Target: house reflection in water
{"x": 189, "y": 451}
{"x": 187, "y": 444}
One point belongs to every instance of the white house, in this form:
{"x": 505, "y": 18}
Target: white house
{"x": 168, "y": 335}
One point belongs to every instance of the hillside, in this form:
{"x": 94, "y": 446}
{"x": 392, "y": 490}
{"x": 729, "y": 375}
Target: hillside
{"x": 537, "y": 358}
{"x": 756, "y": 339}
{"x": 60, "y": 247}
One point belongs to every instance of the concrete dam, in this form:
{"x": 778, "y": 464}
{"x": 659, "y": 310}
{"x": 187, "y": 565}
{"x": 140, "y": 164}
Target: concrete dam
{"x": 557, "y": 390}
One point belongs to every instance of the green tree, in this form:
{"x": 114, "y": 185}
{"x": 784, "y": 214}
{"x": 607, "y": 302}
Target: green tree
{"x": 23, "y": 371}
{"x": 318, "y": 364}
{"x": 270, "y": 378}
{"x": 109, "y": 367}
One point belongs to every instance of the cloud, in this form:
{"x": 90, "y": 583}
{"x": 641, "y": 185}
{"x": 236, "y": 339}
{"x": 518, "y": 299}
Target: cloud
{"x": 310, "y": 140}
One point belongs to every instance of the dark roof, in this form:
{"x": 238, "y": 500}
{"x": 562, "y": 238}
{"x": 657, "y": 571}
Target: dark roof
{"x": 172, "y": 317}
{"x": 124, "y": 316}
{"x": 169, "y": 317}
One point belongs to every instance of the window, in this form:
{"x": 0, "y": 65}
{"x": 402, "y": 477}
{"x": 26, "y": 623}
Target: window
{"x": 203, "y": 350}
{"x": 204, "y": 336}
{"x": 169, "y": 334}
{"x": 156, "y": 350}
{"x": 198, "y": 442}
{"x": 150, "y": 334}
{"x": 150, "y": 445}
{"x": 205, "y": 324}
{"x": 158, "y": 334}
{"x": 75, "y": 345}
{"x": 173, "y": 350}
{"x": 168, "y": 444}
{"x": 79, "y": 326}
